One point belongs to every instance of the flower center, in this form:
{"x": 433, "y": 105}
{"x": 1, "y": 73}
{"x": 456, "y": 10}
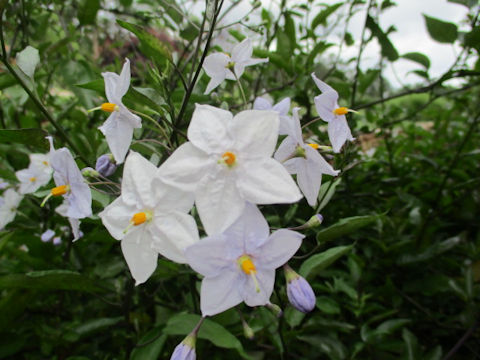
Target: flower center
{"x": 314, "y": 146}
{"x": 109, "y": 107}
{"x": 248, "y": 267}
{"x": 60, "y": 190}
{"x": 139, "y": 218}
{"x": 230, "y": 65}
{"x": 228, "y": 158}
{"x": 33, "y": 179}
{"x": 340, "y": 111}
{"x": 45, "y": 163}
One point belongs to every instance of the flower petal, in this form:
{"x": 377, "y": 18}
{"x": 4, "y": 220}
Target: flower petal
{"x": 325, "y": 104}
{"x": 138, "y": 173}
{"x": 220, "y": 293}
{"x": 313, "y": 157}
{"x": 309, "y": 178}
{"x": 171, "y": 197}
{"x": 242, "y": 51}
{"x": 141, "y": 258}
{"x": 111, "y": 80}
{"x": 215, "y": 64}
{"x": 173, "y": 233}
{"x": 211, "y": 256}
{"x": 266, "y": 280}
{"x": 339, "y": 132}
{"x": 218, "y": 201}
{"x": 255, "y": 132}
{"x": 279, "y": 248}
{"x": 66, "y": 170}
{"x": 79, "y": 200}
{"x": 324, "y": 87}
{"x": 123, "y": 81}
{"x": 208, "y": 129}
{"x": 286, "y": 150}
{"x": 249, "y": 231}
{"x": 267, "y": 182}
{"x": 262, "y": 104}
{"x": 185, "y": 167}
{"x": 283, "y": 107}
{"x": 119, "y": 135}
{"x": 116, "y": 217}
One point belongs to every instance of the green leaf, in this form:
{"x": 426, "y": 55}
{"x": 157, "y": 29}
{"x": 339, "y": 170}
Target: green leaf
{"x": 472, "y": 39}
{"x": 32, "y": 137}
{"x": 418, "y": 58}
{"x": 87, "y": 13}
{"x": 322, "y": 16}
{"x": 27, "y": 60}
{"x": 150, "y": 346}
{"x": 91, "y": 327}
{"x": 367, "y": 79}
{"x": 387, "y": 48}
{"x": 328, "y": 305}
{"x": 293, "y": 317}
{"x": 345, "y": 226}
{"x": 411, "y": 343}
{"x": 318, "y": 262}
{"x": 183, "y": 324}
{"x": 290, "y": 28}
{"x": 149, "y": 44}
{"x": 430, "y": 252}
{"x": 441, "y": 31}
{"x": 50, "y": 280}
{"x": 326, "y": 192}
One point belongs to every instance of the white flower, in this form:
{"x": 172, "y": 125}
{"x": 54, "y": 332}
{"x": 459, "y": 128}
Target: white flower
{"x": 228, "y": 162}
{"x": 149, "y": 218}
{"x": 118, "y": 129}
{"x": 8, "y": 206}
{"x": 239, "y": 264}
{"x": 38, "y": 174}
{"x": 329, "y": 110}
{"x": 220, "y": 66}
{"x": 70, "y": 184}
{"x": 282, "y": 107}
{"x": 305, "y": 161}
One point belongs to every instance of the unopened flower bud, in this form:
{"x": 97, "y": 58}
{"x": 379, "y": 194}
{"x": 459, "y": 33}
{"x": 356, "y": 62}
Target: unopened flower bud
{"x": 106, "y": 165}
{"x": 313, "y": 222}
{"x": 247, "y": 331}
{"x": 299, "y": 291}
{"x": 57, "y": 240}
{"x": 186, "y": 349}
{"x": 275, "y": 309}
{"x": 89, "y": 172}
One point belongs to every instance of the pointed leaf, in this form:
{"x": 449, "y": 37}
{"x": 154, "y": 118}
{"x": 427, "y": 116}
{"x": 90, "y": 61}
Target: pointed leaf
{"x": 318, "y": 262}
{"x": 27, "y": 60}
{"x": 441, "y": 31}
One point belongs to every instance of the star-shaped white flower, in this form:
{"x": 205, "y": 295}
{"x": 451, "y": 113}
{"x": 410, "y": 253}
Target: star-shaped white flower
{"x": 118, "y": 128}
{"x": 282, "y": 107}
{"x": 239, "y": 264}
{"x": 38, "y": 174}
{"x": 8, "y": 206}
{"x": 149, "y": 218}
{"x": 304, "y": 160}
{"x": 220, "y": 66}
{"x": 70, "y": 183}
{"x": 227, "y": 162}
{"x": 329, "y": 110}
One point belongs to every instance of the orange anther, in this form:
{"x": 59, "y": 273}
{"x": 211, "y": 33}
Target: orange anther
{"x": 32, "y": 179}
{"x": 108, "y": 107}
{"x": 229, "y": 158}
{"x": 247, "y": 266}
{"x": 138, "y": 218}
{"x": 340, "y": 111}
{"x": 315, "y": 146}
{"x": 60, "y": 190}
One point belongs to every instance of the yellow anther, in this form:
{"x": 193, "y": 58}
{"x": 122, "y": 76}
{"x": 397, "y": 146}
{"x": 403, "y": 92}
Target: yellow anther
{"x": 314, "y": 146}
{"x": 229, "y": 158}
{"x": 45, "y": 163}
{"x": 138, "y": 218}
{"x": 340, "y": 111}
{"x": 247, "y": 266}
{"x": 108, "y": 107}
{"x": 33, "y": 179}
{"x": 60, "y": 190}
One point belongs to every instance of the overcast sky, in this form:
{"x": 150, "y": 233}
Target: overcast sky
{"x": 411, "y": 34}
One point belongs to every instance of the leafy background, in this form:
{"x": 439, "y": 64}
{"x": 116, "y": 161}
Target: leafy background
{"x": 396, "y": 264}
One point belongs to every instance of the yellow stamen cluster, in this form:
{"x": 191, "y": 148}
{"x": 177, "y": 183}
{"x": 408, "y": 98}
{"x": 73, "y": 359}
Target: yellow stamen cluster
{"x": 314, "y": 146}
{"x": 33, "y": 179}
{"x": 108, "y": 107}
{"x": 45, "y": 163}
{"x": 138, "y": 218}
{"x": 340, "y": 111}
{"x": 228, "y": 158}
{"x": 248, "y": 267}
{"x": 59, "y": 190}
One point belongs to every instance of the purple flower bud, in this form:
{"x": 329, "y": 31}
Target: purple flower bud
{"x": 47, "y": 235}
{"x": 186, "y": 349}
{"x": 105, "y": 165}
{"x": 299, "y": 291}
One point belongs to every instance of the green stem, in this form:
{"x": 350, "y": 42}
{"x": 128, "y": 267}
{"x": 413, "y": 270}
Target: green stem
{"x": 241, "y": 90}
{"x": 35, "y": 100}
{"x": 162, "y": 130}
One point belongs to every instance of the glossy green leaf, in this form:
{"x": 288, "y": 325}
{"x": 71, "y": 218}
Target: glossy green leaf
{"x": 322, "y": 16}
{"x": 418, "y": 58}
{"x": 441, "y": 31}
{"x": 50, "y": 280}
{"x": 183, "y": 324}
{"x": 345, "y": 226}
{"x": 35, "y": 138}
{"x": 318, "y": 262}
{"x": 150, "y": 345}
{"x": 387, "y": 48}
